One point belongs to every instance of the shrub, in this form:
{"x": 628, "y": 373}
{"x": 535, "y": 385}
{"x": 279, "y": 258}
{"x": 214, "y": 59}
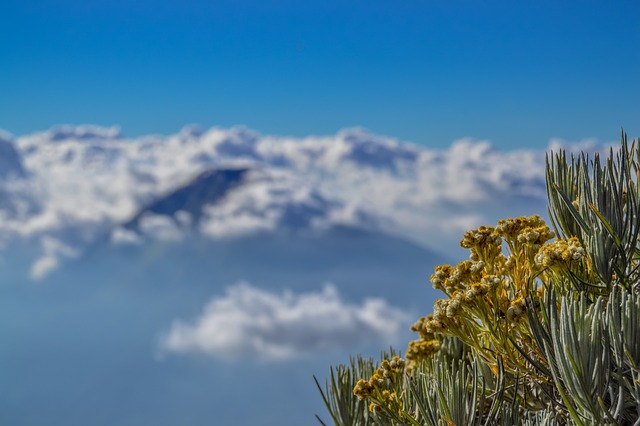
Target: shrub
{"x": 538, "y": 327}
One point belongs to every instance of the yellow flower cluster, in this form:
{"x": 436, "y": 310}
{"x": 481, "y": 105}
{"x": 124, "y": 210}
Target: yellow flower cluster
{"x": 530, "y": 229}
{"x": 560, "y": 253}
{"x": 391, "y": 370}
{"x": 451, "y": 280}
{"x": 421, "y": 349}
{"x": 363, "y": 389}
{"x": 388, "y": 399}
{"x": 486, "y": 294}
{"x": 485, "y": 305}
{"x": 515, "y": 309}
{"x": 483, "y": 243}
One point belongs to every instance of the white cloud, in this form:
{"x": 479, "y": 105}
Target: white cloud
{"x": 42, "y": 266}
{"x": 431, "y": 196}
{"x": 123, "y": 236}
{"x": 83, "y": 182}
{"x": 53, "y": 251}
{"x": 270, "y": 200}
{"x": 161, "y": 227}
{"x": 219, "y": 223}
{"x": 250, "y": 323}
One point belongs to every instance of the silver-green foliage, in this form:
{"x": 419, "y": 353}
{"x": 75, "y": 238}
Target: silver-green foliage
{"x": 344, "y": 408}
{"x": 600, "y": 204}
{"x": 586, "y": 369}
{"x": 593, "y": 353}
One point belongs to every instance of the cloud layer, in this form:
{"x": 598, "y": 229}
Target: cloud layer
{"x": 76, "y": 184}
{"x": 250, "y": 323}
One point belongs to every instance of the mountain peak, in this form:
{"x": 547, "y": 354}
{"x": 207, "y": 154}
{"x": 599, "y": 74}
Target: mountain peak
{"x": 206, "y": 188}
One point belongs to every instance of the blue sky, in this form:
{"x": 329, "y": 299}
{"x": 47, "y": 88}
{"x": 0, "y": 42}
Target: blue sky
{"x": 517, "y": 73}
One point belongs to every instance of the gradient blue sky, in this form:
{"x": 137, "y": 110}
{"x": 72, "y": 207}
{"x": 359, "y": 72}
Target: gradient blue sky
{"x": 517, "y": 73}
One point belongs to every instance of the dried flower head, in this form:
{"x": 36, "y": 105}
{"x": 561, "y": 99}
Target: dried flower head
{"x": 560, "y": 253}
